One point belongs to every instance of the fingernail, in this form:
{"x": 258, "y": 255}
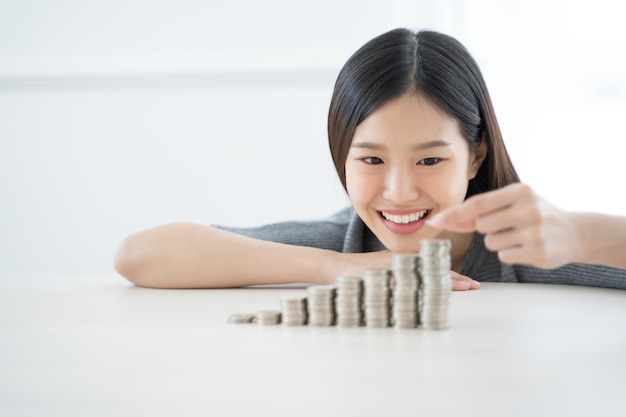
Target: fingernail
{"x": 476, "y": 283}
{"x": 462, "y": 286}
{"x": 436, "y": 221}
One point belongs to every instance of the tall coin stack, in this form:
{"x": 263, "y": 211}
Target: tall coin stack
{"x": 348, "y": 302}
{"x": 376, "y": 297}
{"x": 321, "y": 305}
{"x": 405, "y": 290}
{"x": 294, "y": 310}
{"x": 436, "y": 284}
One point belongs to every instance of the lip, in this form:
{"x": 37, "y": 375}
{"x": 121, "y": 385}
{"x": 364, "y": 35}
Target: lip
{"x": 402, "y": 212}
{"x": 404, "y": 229}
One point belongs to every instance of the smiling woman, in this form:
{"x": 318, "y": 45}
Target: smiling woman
{"x": 417, "y": 146}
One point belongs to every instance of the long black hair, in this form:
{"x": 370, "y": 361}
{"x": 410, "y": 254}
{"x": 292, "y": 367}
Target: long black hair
{"x": 428, "y": 63}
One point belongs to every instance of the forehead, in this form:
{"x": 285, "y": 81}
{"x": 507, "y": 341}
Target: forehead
{"x": 411, "y": 117}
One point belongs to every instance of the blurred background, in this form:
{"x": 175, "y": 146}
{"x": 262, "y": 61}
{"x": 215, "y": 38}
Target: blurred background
{"x": 120, "y": 115}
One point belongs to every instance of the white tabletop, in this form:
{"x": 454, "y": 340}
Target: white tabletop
{"x": 98, "y": 346}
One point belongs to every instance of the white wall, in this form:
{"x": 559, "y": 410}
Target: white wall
{"x": 120, "y": 115}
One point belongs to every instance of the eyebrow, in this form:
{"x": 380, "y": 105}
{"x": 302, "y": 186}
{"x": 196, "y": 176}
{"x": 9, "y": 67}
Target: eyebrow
{"x": 417, "y": 147}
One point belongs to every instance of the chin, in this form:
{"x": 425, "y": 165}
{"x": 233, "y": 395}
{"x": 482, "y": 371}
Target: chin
{"x": 407, "y": 243}
{"x": 403, "y": 247}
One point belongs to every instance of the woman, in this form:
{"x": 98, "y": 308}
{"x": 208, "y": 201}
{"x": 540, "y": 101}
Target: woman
{"x": 417, "y": 146}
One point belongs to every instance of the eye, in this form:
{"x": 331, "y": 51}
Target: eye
{"x": 372, "y": 160}
{"x": 429, "y": 161}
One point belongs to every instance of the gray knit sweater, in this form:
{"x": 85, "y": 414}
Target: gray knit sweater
{"x": 346, "y": 232}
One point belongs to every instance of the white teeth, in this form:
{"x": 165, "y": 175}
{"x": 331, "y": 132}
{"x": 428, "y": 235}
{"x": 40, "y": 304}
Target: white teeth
{"x": 405, "y": 218}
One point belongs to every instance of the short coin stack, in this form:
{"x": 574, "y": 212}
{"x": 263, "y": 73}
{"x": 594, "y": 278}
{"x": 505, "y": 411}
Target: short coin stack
{"x": 294, "y": 310}
{"x": 321, "y": 305}
{"x": 241, "y": 318}
{"x": 376, "y": 297}
{"x": 348, "y": 302}
{"x": 268, "y": 317}
{"x": 405, "y": 290}
{"x": 434, "y": 271}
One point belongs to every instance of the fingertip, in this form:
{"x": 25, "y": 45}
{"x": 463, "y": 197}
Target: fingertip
{"x": 438, "y": 221}
{"x": 461, "y": 286}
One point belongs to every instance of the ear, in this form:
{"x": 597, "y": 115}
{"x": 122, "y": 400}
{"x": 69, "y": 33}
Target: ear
{"x": 477, "y": 157}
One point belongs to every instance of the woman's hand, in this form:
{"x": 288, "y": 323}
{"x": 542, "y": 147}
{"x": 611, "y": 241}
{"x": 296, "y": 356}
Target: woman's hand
{"x": 356, "y": 263}
{"x": 518, "y": 224}
{"x": 463, "y": 283}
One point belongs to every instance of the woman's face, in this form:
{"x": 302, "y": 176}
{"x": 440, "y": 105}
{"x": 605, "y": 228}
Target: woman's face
{"x": 408, "y": 161}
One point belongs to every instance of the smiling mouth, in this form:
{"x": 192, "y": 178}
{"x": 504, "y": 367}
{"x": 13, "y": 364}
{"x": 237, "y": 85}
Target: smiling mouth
{"x": 405, "y": 218}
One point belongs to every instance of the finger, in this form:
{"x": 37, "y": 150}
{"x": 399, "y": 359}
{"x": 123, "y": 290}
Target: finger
{"x": 463, "y": 218}
{"x": 505, "y": 239}
{"x": 534, "y": 255}
{"x": 441, "y": 222}
{"x": 462, "y": 282}
{"x": 460, "y": 285}
{"x": 520, "y": 215}
{"x": 503, "y": 220}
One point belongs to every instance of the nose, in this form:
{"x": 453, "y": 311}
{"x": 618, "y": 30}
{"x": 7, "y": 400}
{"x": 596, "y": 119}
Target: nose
{"x": 401, "y": 186}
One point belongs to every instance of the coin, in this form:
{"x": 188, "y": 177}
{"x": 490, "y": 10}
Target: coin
{"x": 266, "y": 317}
{"x": 241, "y": 318}
{"x": 321, "y": 305}
{"x": 415, "y": 292}
{"x": 436, "y": 284}
{"x": 348, "y": 301}
{"x": 376, "y": 297}
{"x": 294, "y": 310}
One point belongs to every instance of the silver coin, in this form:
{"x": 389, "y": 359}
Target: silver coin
{"x": 268, "y": 317}
{"x": 320, "y": 290}
{"x": 376, "y": 277}
{"x": 376, "y": 291}
{"x": 349, "y": 282}
{"x": 241, "y": 318}
{"x": 293, "y": 321}
{"x": 377, "y": 323}
{"x": 262, "y": 314}
{"x": 292, "y": 301}
{"x": 349, "y": 323}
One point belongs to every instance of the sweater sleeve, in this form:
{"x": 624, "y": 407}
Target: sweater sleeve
{"x": 327, "y": 233}
{"x": 574, "y": 274}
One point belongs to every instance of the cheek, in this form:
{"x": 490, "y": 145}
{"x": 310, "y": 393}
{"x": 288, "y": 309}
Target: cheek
{"x": 458, "y": 184}
{"x": 449, "y": 187}
{"x": 354, "y": 185}
{"x": 361, "y": 188}
{"x": 349, "y": 177}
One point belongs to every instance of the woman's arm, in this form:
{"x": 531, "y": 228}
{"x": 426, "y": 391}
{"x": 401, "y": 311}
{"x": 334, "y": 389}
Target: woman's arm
{"x": 186, "y": 255}
{"x": 603, "y": 239}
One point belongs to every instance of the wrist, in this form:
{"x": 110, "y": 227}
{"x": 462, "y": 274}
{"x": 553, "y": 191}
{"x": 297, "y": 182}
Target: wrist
{"x": 327, "y": 266}
{"x": 596, "y": 235}
{"x": 582, "y": 241}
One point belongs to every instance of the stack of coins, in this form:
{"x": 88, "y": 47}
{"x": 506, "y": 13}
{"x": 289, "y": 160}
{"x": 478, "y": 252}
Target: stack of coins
{"x": 436, "y": 284}
{"x": 348, "y": 302}
{"x": 376, "y": 297}
{"x": 321, "y": 305}
{"x": 405, "y": 290}
{"x": 268, "y": 317}
{"x": 241, "y": 318}
{"x": 294, "y": 310}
